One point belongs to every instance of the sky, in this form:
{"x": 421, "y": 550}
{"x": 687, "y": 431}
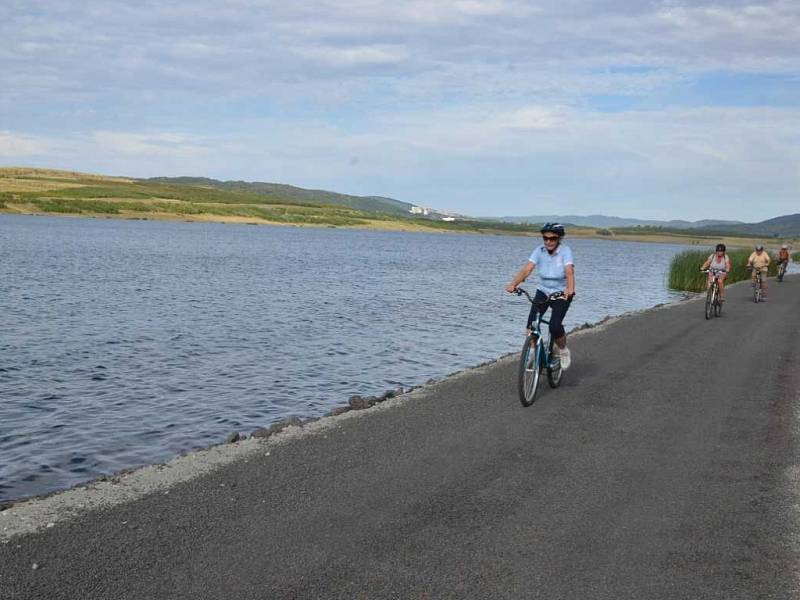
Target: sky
{"x": 646, "y": 109}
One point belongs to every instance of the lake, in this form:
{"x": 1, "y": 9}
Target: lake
{"x": 124, "y": 343}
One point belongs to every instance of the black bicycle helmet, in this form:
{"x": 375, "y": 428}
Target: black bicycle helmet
{"x": 556, "y": 228}
{"x": 720, "y": 248}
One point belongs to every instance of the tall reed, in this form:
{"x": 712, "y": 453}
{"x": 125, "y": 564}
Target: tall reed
{"x": 685, "y": 275}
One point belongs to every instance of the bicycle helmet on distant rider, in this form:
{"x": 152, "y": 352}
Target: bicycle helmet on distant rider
{"x": 556, "y": 228}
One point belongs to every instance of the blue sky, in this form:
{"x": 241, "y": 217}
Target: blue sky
{"x": 663, "y": 109}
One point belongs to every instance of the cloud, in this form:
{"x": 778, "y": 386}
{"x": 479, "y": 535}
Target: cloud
{"x": 358, "y": 55}
{"x": 21, "y": 147}
{"x": 195, "y": 47}
{"x": 156, "y": 145}
{"x": 443, "y": 98}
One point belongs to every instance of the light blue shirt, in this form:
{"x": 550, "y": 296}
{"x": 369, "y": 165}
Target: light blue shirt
{"x": 552, "y": 268}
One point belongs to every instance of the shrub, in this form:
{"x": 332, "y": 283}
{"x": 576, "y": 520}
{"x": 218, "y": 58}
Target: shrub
{"x": 685, "y": 275}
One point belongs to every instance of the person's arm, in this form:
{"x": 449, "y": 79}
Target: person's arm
{"x": 706, "y": 264}
{"x": 523, "y": 274}
{"x": 570, "y": 269}
{"x": 727, "y": 263}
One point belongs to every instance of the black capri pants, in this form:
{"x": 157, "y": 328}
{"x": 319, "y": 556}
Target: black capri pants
{"x": 560, "y": 307}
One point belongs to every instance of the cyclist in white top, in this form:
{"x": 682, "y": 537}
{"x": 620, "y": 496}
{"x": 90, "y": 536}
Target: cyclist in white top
{"x": 556, "y": 274}
{"x": 718, "y": 262}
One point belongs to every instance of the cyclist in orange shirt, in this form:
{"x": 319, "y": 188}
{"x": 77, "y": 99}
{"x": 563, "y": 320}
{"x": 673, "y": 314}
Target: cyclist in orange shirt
{"x": 783, "y": 255}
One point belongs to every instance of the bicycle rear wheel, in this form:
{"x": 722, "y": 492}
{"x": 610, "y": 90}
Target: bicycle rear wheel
{"x": 554, "y": 370}
{"x": 530, "y": 366}
{"x": 709, "y": 301}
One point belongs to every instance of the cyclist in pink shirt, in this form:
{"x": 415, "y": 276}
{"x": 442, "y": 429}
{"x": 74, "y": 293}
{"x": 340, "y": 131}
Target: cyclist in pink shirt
{"x": 720, "y": 264}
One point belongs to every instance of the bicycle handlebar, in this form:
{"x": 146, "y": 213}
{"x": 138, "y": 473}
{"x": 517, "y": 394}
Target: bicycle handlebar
{"x": 555, "y": 296}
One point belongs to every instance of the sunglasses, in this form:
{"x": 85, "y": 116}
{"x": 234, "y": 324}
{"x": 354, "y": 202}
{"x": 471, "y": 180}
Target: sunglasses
{"x": 550, "y": 238}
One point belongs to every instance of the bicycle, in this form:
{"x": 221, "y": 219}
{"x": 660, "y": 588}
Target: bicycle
{"x": 758, "y": 292}
{"x": 782, "y": 270}
{"x": 713, "y": 302}
{"x": 537, "y": 356}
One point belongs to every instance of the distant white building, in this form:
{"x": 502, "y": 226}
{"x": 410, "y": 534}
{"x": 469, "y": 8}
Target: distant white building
{"x": 448, "y": 218}
{"x": 419, "y": 210}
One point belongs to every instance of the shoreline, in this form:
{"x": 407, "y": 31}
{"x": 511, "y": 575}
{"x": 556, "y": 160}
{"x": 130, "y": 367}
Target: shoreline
{"x": 397, "y": 226}
{"x": 35, "y": 513}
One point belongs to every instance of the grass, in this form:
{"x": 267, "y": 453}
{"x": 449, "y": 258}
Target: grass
{"x": 685, "y": 275}
{"x": 275, "y": 214}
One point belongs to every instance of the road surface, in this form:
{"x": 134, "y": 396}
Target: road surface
{"x": 666, "y": 466}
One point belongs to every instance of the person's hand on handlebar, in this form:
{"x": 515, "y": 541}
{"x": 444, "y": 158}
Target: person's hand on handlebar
{"x": 511, "y": 288}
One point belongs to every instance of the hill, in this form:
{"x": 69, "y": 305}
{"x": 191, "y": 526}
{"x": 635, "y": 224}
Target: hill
{"x": 778, "y": 227}
{"x": 611, "y": 222}
{"x": 48, "y": 191}
{"x": 290, "y": 193}
{"x": 39, "y": 191}
{"x": 783, "y": 226}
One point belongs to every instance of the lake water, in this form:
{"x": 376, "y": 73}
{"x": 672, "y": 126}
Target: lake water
{"x": 125, "y": 343}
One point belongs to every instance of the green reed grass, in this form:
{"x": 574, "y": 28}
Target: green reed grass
{"x": 685, "y": 275}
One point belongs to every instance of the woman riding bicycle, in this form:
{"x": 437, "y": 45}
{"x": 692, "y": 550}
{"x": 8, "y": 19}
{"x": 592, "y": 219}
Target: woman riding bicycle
{"x": 720, "y": 265}
{"x": 556, "y": 274}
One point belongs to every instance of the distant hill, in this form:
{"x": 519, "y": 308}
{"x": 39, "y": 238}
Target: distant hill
{"x": 787, "y": 226}
{"x": 783, "y": 226}
{"x": 291, "y": 193}
{"x": 610, "y": 222}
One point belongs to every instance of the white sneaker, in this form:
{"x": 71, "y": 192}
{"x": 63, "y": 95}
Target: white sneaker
{"x": 566, "y": 359}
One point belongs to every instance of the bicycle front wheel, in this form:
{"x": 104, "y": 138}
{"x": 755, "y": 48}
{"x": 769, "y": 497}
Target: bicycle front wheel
{"x": 709, "y": 301}
{"x": 554, "y": 370}
{"x": 530, "y": 366}
{"x": 757, "y": 291}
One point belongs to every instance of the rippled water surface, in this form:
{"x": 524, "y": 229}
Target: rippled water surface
{"x": 127, "y": 342}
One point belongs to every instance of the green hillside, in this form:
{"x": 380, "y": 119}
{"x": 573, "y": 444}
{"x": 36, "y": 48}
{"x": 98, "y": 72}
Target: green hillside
{"x": 39, "y": 191}
{"x": 288, "y": 193}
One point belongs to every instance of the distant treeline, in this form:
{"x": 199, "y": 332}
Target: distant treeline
{"x": 698, "y": 232}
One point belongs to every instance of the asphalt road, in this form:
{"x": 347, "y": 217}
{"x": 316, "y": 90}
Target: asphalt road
{"x": 666, "y": 466}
